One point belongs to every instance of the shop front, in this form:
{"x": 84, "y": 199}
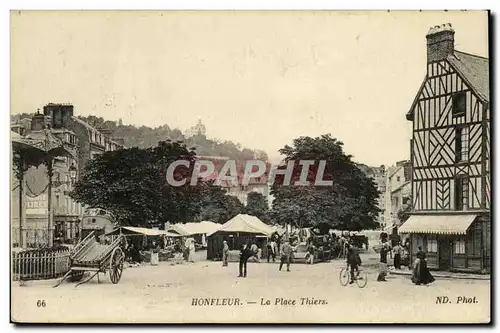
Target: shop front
{"x": 452, "y": 242}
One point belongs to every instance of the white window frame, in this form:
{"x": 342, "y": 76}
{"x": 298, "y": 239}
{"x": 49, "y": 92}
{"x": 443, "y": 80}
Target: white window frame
{"x": 459, "y": 246}
{"x": 432, "y": 245}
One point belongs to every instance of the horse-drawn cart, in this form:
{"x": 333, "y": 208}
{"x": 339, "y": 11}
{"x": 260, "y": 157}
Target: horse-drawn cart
{"x": 89, "y": 255}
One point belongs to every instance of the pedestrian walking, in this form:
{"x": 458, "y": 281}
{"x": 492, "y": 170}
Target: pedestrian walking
{"x": 244, "y": 255}
{"x": 286, "y": 255}
{"x": 225, "y": 253}
{"x": 397, "y": 250}
{"x": 421, "y": 274}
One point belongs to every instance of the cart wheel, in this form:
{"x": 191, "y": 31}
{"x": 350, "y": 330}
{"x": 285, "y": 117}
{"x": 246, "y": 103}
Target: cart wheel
{"x": 116, "y": 265}
{"x": 76, "y": 276}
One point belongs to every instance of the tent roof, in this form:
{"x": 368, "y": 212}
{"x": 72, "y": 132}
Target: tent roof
{"x": 194, "y": 228}
{"x": 142, "y": 231}
{"x": 245, "y": 223}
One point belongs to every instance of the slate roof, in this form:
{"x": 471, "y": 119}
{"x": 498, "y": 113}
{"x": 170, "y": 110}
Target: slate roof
{"x": 473, "y": 69}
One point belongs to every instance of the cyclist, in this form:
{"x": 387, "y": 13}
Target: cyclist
{"x": 353, "y": 260}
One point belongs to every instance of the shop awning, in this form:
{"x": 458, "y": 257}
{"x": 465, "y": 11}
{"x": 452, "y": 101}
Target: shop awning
{"x": 141, "y": 231}
{"x": 437, "y": 224}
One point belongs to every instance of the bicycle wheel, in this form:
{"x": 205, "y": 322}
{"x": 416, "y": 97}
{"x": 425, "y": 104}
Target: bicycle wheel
{"x": 344, "y": 277}
{"x": 362, "y": 279}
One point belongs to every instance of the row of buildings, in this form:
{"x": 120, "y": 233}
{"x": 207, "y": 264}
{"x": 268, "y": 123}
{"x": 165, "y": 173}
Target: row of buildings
{"x": 58, "y": 122}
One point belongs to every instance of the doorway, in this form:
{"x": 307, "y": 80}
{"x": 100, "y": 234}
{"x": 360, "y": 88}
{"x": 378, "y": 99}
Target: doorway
{"x": 444, "y": 260}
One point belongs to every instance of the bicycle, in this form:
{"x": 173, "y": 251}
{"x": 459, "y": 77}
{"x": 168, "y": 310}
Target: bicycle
{"x": 360, "y": 278}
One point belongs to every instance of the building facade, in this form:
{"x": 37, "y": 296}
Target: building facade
{"x": 450, "y": 157}
{"x": 86, "y": 142}
{"x": 378, "y": 176}
{"x": 398, "y": 193}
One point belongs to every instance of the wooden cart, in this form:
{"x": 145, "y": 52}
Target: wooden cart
{"x": 88, "y": 255}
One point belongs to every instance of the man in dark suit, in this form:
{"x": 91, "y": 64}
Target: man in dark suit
{"x": 245, "y": 254}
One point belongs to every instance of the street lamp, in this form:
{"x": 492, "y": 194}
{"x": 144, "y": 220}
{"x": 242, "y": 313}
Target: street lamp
{"x": 72, "y": 173}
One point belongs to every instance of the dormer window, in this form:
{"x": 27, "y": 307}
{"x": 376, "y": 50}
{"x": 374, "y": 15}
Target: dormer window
{"x": 459, "y": 104}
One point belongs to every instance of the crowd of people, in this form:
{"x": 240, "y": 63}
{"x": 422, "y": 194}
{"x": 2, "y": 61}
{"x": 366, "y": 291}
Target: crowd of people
{"x": 420, "y": 273}
{"x": 284, "y": 247}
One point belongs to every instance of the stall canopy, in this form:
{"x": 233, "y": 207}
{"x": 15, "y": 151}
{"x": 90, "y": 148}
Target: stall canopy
{"x": 245, "y": 224}
{"x": 141, "y": 231}
{"x": 438, "y": 224}
{"x": 194, "y": 228}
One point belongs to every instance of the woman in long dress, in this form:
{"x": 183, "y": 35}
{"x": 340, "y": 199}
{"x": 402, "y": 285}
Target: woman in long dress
{"x": 421, "y": 274}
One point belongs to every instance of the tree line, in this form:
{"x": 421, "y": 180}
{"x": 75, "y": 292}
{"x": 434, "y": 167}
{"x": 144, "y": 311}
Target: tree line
{"x": 131, "y": 183}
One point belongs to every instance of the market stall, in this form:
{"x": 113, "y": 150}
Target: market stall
{"x": 241, "y": 229}
{"x": 140, "y": 242}
{"x": 197, "y": 230}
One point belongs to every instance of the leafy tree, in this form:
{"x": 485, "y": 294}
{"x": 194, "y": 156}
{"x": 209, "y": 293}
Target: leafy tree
{"x": 217, "y": 206}
{"x": 247, "y": 154}
{"x": 261, "y": 155}
{"x": 257, "y": 206}
{"x": 131, "y": 184}
{"x": 349, "y": 204}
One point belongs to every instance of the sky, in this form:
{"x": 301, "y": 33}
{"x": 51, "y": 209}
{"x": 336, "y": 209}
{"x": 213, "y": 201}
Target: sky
{"x": 257, "y": 78}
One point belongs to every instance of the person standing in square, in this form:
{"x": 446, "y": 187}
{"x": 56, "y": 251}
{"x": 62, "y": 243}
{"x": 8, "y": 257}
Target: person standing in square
{"x": 245, "y": 254}
{"x": 286, "y": 255}
{"x": 225, "y": 253}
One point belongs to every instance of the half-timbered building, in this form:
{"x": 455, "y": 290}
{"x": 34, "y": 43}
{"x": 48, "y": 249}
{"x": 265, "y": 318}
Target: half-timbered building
{"x": 450, "y": 157}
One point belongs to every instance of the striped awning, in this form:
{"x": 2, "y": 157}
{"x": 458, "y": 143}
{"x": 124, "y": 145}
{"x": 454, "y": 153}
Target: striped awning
{"x": 437, "y": 224}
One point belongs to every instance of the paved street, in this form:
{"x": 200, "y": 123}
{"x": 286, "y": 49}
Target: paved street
{"x": 165, "y": 294}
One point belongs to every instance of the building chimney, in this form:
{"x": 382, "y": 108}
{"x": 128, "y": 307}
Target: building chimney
{"x": 440, "y": 42}
{"x": 38, "y": 121}
{"x": 60, "y": 114}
